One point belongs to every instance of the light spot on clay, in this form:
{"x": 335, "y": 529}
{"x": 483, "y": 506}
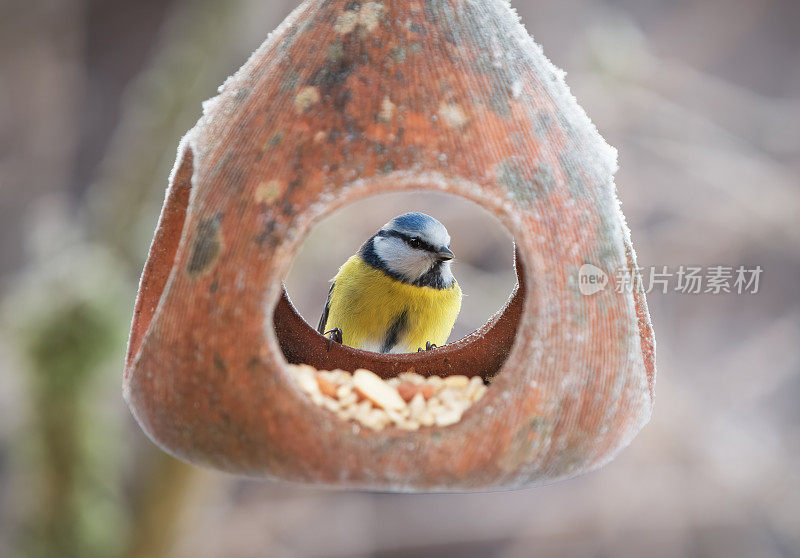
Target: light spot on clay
{"x": 368, "y": 16}
{"x": 387, "y": 110}
{"x": 305, "y": 98}
{"x": 336, "y": 51}
{"x": 516, "y": 89}
{"x": 398, "y": 54}
{"x": 453, "y": 115}
{"x": 525, "y": 184}
{"x": 267, "y": 191}
{"x": 346, "y": 22}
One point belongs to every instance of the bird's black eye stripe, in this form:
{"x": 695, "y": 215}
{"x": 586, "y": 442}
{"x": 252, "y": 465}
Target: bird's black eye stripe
{"x": 412, "y": 241}
{"x": 417, "y": 243}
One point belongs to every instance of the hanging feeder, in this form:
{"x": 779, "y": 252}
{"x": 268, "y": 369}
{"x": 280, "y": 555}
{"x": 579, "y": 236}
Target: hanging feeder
{"x": 350, "y": 99}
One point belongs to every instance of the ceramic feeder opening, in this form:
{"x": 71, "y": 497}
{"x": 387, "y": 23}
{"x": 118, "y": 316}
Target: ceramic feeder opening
{"x": 347, "y": 100}
{"x": 337, "y": 376}
{"x": 484, "y": 250}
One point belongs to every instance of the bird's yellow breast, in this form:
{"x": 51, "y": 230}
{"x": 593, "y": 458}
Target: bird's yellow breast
{"x": 365, "y": 304}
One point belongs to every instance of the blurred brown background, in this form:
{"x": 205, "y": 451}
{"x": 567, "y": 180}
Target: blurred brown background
{"x": 701, "y": 97}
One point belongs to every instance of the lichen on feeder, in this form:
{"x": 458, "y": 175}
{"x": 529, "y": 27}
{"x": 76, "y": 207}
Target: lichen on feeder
{"x": 350, "y": 99}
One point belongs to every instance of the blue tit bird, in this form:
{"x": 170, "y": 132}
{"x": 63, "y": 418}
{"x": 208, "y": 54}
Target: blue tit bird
{"x": 398, "y": 293}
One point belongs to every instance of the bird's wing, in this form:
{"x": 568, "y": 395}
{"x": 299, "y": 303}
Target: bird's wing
{"x": 396, "y": 330}
{"x": 324, "y": 318}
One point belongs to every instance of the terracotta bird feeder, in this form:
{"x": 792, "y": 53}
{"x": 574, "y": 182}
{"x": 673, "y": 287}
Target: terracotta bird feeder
{"x": 348, "y": 99}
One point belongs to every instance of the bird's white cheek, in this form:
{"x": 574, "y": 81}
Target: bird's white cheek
{"x": 411, "y": 265}
{"x": 401, "y": 259}
{"x": 422, "y": 264}
{"x": 385, "y": 248}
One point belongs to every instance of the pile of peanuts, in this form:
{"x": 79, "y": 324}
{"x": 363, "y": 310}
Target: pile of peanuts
{"x": 407, "y": 402}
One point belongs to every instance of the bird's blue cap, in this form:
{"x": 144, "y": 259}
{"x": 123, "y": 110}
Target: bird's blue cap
{"x": 419, "y": 224}
{"x": 414, "y": 221}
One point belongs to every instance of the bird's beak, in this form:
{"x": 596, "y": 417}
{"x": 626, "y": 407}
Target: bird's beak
{"x": 445, "y": 254}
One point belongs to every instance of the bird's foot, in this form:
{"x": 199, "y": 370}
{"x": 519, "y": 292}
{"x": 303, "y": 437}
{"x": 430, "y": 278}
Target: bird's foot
{"x": 428, "y": 347}
{"x": 334, "y": 336}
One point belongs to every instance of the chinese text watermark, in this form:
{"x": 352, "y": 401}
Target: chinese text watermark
{"x": 684, "y": 279}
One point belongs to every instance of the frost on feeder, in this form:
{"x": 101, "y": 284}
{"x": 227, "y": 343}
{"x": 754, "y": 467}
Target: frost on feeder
{"x": 350, "y": 99}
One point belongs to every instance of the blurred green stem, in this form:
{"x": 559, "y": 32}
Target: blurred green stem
{"x": 65, "y": 349}
{"x": 59, "y": 420}
{"x": 158, "y": 510}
